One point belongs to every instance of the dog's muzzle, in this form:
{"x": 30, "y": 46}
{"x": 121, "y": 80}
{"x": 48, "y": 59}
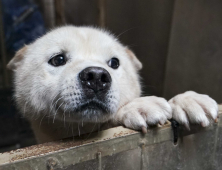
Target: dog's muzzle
{"x": 95, "y": 80}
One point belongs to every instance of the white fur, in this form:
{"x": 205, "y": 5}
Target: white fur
{"x": 38, "y": 83}
{"x": 191, "y": 107}
{"x": 144, "y": 111}
{"x": 40, "y": 87}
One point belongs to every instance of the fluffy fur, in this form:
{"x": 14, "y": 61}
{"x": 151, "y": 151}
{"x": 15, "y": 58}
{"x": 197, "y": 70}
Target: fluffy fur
{"x": 50, "y": 96}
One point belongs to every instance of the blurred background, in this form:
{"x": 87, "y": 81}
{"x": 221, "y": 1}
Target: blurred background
{"x": 179, "y": 43}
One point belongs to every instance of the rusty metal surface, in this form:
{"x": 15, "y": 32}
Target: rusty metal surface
{"x": 121, "y": 148}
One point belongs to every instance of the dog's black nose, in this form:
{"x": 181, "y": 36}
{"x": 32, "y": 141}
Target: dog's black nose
{"x": 95, "y": 78}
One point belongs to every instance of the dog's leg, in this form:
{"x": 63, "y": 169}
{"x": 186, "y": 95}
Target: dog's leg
{"x": 191, "y": 107}
{"x": 144, "y": 111}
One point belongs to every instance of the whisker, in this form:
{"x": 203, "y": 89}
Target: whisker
{"x": 64, "y": 115}
{"x": 25, "y": 106}
{"x": 126, "y": 31}
{"x": 55, "y": 104}
{"x": 92, "y": 129}
{"x": 42, "y": 119}
{"x": 72, "y": 132}
{"x": 53, "y": 100}
{"x": 132, "y": 45}
{"x": 56, "y": 112}
{"x": 68, "y": 128}
{"x": 78, "y": 129}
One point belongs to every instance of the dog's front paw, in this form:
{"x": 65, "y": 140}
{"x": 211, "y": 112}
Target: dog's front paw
{"x": 144, "y": 111}
{"x": 191, "y": 107}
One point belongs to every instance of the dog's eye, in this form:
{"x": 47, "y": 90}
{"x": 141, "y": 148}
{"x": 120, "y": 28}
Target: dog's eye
{"x": 58, "y": 60}
{"x": 113, "y": 63}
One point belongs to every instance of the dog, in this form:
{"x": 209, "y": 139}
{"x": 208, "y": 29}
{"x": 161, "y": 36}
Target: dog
{"x": 75, "y": 80}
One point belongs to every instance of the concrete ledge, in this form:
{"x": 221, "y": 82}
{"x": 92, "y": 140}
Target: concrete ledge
{"x": 122, "y": 148}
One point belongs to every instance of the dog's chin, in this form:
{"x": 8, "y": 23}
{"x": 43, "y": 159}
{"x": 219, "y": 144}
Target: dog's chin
{"x": 94, "y": 105}
{"x": 90, "y": 111}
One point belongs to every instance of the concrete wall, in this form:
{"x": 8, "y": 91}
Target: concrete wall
{"x": 124, "y": 149}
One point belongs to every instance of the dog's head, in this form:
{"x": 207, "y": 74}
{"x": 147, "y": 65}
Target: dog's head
{"x": 76, "y": 73}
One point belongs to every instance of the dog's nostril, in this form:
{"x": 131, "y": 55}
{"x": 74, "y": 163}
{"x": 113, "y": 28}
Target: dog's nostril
{"x": 90, "y": 77}
{"x": 104, "y": 78}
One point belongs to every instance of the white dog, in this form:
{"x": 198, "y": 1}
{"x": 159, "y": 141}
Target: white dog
{"x": 74, "y": 80}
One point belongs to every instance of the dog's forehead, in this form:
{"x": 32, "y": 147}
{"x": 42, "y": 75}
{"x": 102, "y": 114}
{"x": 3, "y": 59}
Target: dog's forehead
{"x": 78, "y": 38}
{"x": 78, "y": 43}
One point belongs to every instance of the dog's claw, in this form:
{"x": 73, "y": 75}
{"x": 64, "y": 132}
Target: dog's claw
{"x": 144, "y": 129}
{"x": 161, "y": 122}
{"x": 187, "y": 126}
{"x": 203, "y": 124}
{"x": 216, "y": 120}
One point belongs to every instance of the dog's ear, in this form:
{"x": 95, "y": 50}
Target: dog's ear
{"x": 16, "y": 61}
{"x": 138, "y": 65}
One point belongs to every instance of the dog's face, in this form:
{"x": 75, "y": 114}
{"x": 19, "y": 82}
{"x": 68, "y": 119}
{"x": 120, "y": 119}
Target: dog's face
{"x": 76, "y": 74}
